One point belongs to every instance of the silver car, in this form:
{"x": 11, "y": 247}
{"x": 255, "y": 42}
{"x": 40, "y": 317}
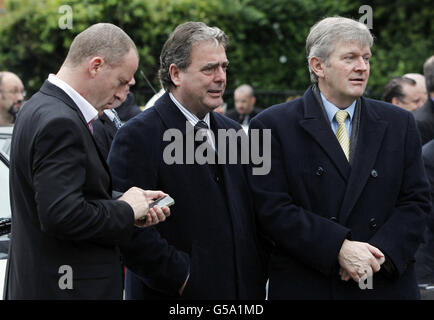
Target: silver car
{"x": 5, "y": 207}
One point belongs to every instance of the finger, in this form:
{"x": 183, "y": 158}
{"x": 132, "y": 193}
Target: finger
{"x": 150, "y": 218}
{"x": 155, "y": 218}
{"x": 154, "y": 194}
{"x": 344, "y": 275}
{"x": 375, "y": 266}
{"x": 166, "y": 211}
{"x": 355, "y": 276}
{"x": 375, "y": 251}
{"x": 159, "y": 214}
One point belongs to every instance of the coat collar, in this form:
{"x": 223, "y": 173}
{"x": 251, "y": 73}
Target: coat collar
{"x": 50, "y": 89}
{"x": 54, "y": 91}
{"x": 173, "y": 118}
{"x": 370, "y": 137}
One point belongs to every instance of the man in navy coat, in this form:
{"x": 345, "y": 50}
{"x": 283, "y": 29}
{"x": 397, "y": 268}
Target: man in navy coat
{"x": 346, "y": 199}
{"x": 209, "y": 248}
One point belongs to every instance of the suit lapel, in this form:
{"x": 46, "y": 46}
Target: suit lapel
{"x": 369, "y": 142}
{"x": 169, "y": 113}
{"x": 317, "y": 126}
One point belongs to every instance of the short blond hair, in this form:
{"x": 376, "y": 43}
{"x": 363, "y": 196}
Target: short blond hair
{"x": 101, "y": 39}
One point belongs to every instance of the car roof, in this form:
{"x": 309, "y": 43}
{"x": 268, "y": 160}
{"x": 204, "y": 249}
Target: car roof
{"x": 6, "y": 130}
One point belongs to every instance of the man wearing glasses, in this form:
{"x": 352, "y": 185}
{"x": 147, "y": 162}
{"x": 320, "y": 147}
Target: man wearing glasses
{"x": 11, "y": 97}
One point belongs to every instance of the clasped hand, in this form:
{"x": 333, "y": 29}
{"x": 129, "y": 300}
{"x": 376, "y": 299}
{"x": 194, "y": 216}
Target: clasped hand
{"x": 359, "y": 260}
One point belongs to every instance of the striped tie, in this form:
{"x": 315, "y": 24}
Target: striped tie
{"x": 116, "y": 120}
{"x": 342, "y": 133}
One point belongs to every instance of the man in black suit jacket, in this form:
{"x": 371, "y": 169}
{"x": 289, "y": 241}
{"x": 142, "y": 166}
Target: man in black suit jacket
{"x": 425, "y": 254}
{"x": 65, "y": 226}
{"x": 347, "y": 196}
{"x": 244, "y": 99}
{"x": 209, "y": 248}
{"x": 425, "y": 115}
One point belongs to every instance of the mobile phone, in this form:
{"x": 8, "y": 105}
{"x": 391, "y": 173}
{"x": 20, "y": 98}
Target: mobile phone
{"x": 165, "y": 201}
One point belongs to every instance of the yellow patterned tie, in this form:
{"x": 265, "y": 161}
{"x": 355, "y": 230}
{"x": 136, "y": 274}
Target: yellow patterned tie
{"x": 341, "y": 132}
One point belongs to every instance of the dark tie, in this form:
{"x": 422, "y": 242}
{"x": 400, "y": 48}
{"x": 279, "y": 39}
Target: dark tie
{"x": 201, "y": 126}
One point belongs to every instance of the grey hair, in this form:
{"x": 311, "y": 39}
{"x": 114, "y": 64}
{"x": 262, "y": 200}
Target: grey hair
{"x": 324, "y": 35}
{"x": 177, "y": 49}
{"x": 101, "y": 39}
{"x": 428, "y": 72}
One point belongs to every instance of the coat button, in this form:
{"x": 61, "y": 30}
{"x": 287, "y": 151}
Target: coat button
{"x": 319, "y": 171}
{"x": 374, "y": 173}
{"x": 334, "y": 219}
{"x": 372, "y": 224}
{"x": 217, "y": 179}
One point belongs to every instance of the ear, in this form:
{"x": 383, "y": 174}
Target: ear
{"x": 253, "y": 101}
{"x": 95, "y": 65}
{"x": 317, "y": 66}
{"x": 396, "y": 101}
{"x": 175, "y": 74}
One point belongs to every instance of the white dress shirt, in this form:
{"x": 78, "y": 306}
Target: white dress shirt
{"x": 193, "y": 119}
{"x": 88, "y": 111}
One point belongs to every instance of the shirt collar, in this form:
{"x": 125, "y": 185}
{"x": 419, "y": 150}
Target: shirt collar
{"x": 192, "y": 118}
{"x": 89, "y": 112}
{"x": 331, "y": 109}
{"x": 109, "y": 113}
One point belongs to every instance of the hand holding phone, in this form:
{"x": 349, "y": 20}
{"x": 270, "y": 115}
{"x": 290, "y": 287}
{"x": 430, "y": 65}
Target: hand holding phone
{"x": 164, "y": 201}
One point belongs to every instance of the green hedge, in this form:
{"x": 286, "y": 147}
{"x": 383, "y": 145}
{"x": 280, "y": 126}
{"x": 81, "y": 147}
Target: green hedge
{"x": 267, "y": 36}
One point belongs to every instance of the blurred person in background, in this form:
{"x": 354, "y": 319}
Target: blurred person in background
{"x": 244, "y": 100}
{"x": 12, "y": 95}
{"x": 425, "y": 115}
{"x": 402, "y": 92}
{"x": 421, "y": 87}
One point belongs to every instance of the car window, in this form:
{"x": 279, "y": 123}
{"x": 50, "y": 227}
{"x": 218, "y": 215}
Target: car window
{"x": 5, "y": 206}
{"x": 5, "y": 145}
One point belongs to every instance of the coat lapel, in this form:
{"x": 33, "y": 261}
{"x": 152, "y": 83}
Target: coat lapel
{"x": 169, "y": 113}
{"x": 371, "y": 134}
{"x": 317, "y": 126}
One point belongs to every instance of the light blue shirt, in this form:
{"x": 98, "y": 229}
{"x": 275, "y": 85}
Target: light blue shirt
{"x": 331, "y": 110}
